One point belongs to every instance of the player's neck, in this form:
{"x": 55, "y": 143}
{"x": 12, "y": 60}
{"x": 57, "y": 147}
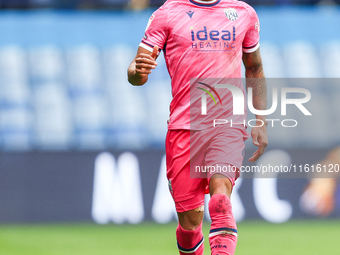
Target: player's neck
{"x": 206, "y": 0}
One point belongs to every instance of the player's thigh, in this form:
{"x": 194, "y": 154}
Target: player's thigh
{"x": 225, "y": 157}
{"x": 188, "y": 193}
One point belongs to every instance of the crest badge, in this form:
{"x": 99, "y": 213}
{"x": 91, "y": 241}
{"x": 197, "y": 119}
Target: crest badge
{"x": 231, "y": 14}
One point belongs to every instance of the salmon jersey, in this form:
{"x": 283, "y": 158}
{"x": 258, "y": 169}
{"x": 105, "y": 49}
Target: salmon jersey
{"x": 202, "y": 40}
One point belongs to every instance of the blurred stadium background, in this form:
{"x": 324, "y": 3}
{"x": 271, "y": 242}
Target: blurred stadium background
{"x": 79, "y": 144}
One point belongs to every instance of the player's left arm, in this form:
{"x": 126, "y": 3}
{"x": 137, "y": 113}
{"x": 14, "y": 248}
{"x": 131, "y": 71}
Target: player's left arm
{"x": 255, "y": 79}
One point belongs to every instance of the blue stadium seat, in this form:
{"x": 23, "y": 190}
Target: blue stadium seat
{"x": 302, "y": 60}
{"x": 46, "y": 64}
{"x": 15, "y": 100}
{"x": 53, "y": 118}
{"x": 85, "y": 80}
{"x": 330, "y": 59}
{"x": 272, "y": 60}
{"x": 129, "y": 113}
{"x": 157, "y": 98}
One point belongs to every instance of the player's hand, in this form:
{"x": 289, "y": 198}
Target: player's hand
{"x": 260, "y": 139}
{"x": 146, "y": 62}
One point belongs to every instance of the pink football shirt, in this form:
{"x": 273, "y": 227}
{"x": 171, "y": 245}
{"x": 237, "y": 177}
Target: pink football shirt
{"x": 202, "y": 40}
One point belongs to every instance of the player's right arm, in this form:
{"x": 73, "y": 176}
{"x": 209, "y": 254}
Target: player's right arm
{"x": 256, "y": 80}
{"x": 153, "y": 42}
{"x": 141, "y": 66}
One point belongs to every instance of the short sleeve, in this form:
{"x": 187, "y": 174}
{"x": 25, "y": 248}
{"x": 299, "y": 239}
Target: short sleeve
{"x": 251, "y": 40}
{"x": 156, "y": 32}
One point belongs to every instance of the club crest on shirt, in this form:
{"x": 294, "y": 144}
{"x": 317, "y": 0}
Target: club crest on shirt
{"x": 231, "y": 14}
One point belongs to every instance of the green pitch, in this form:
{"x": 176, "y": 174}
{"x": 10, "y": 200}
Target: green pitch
{"x": 295, "y": 237}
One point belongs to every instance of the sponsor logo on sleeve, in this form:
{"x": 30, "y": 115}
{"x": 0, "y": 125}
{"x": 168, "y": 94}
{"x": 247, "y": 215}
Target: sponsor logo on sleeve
{"x": 150, "y": 20}
{"x": 257, "y": 26}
